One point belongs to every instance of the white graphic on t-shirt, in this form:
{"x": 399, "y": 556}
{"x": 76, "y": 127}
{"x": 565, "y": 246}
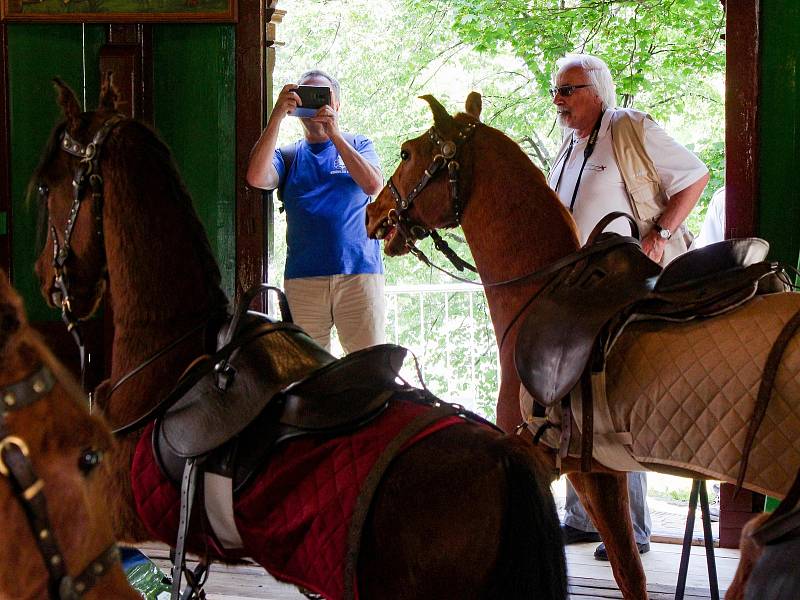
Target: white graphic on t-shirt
{"x": 338, "y": 166}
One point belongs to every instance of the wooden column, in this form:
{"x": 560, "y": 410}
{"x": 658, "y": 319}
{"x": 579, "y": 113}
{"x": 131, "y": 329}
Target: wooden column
{"x": 254, "y": 63}
{"x": 128, "y": 55}
{"x": 5, "y": 162}
{"x": 742, "y": 83}
{"x": 743, "y": 46}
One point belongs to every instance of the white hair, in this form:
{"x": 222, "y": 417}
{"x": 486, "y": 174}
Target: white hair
{"x": 597, "y": 72}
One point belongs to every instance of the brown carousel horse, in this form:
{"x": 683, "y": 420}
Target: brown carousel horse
{"x": 56, "y": 539}
{"x": 459, "y": 513}
{"x": 679, "y": 397}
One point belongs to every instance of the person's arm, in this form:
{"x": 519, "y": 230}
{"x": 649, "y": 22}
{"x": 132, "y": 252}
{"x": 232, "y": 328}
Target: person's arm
{"x": 678, "y": 208}
{"x": 261, "y": 173}
{"x": 366, "y": 175}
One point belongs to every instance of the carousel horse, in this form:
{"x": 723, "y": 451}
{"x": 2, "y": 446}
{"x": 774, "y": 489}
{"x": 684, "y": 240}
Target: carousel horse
{"x": 681, "y": 396}
{"x": 332, "y": 475}
{"x": 56, "y": 536}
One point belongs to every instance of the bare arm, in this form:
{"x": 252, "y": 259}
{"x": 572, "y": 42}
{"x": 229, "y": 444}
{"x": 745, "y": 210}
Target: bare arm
{"x": 678, "y": 208}
{"x": 261, "y": 173}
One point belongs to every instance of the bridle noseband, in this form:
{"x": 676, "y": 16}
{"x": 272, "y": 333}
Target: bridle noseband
{"x": 443, "y": 159}
{"x": 87, "y": 174}
{"x": 15, "y": 464}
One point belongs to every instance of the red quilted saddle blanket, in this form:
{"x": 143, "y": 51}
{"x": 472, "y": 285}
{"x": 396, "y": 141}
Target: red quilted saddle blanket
{"x": 294, "y": 518}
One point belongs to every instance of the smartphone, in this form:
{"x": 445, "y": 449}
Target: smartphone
{"x": 313, "y": 98}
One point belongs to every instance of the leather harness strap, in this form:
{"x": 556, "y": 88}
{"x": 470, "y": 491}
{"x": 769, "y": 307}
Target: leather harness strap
{"x": 87, "y": 173}
{"x": 15, "y": 464}
{"x": 765, "y": 390}
{"x": 375, "y": 476}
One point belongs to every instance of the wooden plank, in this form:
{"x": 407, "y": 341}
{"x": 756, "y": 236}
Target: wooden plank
{"x": 588, "y": 579}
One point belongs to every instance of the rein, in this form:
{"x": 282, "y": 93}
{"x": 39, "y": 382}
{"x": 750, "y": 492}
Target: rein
{"x": 87, "y": 174}
{"x": 15, "y": 464}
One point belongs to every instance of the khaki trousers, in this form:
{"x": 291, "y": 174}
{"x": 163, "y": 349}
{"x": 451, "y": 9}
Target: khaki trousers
{"x": 353, "y": 303}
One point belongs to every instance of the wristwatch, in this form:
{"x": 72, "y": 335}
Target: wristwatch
{"x": 662, "y": 231}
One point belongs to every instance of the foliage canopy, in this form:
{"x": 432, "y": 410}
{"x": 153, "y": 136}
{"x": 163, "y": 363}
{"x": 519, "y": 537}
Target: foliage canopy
{"x": 667, "y": 58}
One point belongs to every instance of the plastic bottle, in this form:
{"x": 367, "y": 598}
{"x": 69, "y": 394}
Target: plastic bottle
{"x": 144, "y": 575}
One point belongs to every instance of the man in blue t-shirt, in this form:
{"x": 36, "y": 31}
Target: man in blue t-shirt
{"x": 334, "y": 273}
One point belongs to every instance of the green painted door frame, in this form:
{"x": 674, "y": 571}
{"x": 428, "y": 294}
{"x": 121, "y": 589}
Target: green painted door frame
{"x": 779, "y": 129}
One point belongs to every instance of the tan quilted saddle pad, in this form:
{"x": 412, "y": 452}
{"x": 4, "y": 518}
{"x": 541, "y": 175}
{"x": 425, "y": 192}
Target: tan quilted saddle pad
{"x": 686, "y": 392}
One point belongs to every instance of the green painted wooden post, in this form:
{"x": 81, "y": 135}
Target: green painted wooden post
{"x": 36, "y": 54}
{"x": 194, "y": 100}
{"x": 779, "y": 128}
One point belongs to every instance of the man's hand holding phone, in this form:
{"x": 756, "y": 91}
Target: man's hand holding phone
{"x": 312, "y": 98}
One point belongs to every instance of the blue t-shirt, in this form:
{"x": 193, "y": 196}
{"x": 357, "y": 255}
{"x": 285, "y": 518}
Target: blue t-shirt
{"x": 325, "y": 213}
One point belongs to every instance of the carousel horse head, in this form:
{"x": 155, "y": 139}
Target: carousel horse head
{"x": 69, "y": 186}
{"x": 56, "y": 540}
{"x": 431, "y": 185}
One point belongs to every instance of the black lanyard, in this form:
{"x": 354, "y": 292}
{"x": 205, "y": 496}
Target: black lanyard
{"x": 587, "y": 152}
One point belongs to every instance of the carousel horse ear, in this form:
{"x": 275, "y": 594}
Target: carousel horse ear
{"x": 69, "y": 103}
{"x": 473, "y": 105}
{"x": 441, "y": 118}
{"x": 108, "y": 93}
{"x": 10, "y": 311}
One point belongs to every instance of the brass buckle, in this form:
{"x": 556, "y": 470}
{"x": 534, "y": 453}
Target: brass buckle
{"x": 7, "y": 442}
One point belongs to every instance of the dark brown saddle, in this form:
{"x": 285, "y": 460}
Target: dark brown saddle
{"x": 267, "y": 371}
{"x": 585, "y": 306}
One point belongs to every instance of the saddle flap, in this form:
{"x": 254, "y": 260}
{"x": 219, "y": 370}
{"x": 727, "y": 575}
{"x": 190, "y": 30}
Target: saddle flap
{"x": 263, "y": 359}
{"x": 556, "y": 339}
{"x": 369, "y": 370}
{"x": 712, "y": 260}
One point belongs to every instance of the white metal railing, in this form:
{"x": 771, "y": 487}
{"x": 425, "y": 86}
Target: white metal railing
{"x": 447, "y": 327}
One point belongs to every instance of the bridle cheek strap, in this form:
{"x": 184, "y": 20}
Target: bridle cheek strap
{"x": 87, "y": 174}
{"x": 399, "y": 218}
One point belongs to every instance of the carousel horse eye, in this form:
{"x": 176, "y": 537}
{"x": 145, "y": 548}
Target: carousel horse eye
{"x": 89, "y": 459}
{"x": 404, "y": 154}
{"x": 43, "y": 190}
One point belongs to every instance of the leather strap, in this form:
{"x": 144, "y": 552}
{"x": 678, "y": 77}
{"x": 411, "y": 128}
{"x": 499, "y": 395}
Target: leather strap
{"x": 765, "y": 390}
{"x": 587, "y": 421}
{"x": 24, "y": 393}
{"x": 364, "y": 500}
{"x": 188, "y": 485}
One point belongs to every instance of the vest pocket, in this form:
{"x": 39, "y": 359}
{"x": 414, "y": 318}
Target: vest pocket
{"x": 646, "y": 201}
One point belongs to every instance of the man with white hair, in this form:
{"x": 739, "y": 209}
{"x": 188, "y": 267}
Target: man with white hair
{"x": 616, "y": 159}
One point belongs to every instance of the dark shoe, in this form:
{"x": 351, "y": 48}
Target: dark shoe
{"x": 601, "y": 554}
{"x": 571, "y": 535}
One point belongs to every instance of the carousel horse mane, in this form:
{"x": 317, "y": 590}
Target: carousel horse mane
{"x": 50, "y": 448}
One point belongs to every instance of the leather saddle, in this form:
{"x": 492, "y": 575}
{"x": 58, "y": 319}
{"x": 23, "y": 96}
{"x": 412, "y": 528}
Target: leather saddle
{"x": 268, "y": 381}
{"x": 580, "y": 312}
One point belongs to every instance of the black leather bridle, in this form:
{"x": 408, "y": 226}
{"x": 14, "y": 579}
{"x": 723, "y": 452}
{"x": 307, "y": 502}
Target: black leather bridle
{"x": 87, "y": 176}
{"x": 16, "y": 466}
{"x": 444, "y": 160}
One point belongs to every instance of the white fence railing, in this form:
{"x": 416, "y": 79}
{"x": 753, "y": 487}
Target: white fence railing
{"x": 447, "y": 327}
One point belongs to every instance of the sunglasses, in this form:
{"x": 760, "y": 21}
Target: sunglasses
{"x": 567, "y": 90}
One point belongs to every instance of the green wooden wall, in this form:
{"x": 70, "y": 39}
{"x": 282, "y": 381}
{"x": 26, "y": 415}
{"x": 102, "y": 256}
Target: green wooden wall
{"x": 194, "y": 109}
{"x": 779, "y": 125}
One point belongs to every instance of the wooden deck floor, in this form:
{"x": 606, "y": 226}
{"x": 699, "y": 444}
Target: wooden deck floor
{"x": 588, "y": 579}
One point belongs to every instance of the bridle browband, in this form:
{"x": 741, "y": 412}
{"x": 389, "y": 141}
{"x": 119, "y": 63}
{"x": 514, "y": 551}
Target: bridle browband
{"x": 15, "y": 464}
{"x": 86, "y": 175}
{"x": 443, "y": 160}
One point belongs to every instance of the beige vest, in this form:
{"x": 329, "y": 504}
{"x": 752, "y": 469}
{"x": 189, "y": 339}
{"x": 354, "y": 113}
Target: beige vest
{"x": 646, "y": 197}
